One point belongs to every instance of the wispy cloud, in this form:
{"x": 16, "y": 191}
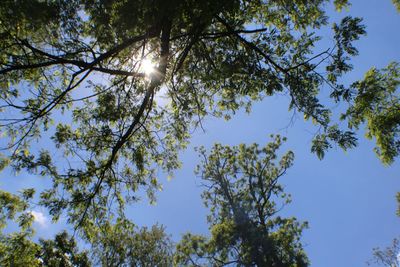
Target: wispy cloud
{"x": 39, "y": 218}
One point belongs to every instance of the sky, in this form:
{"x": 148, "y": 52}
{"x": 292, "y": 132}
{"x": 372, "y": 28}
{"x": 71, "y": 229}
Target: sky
{"x": 348, "y": 198}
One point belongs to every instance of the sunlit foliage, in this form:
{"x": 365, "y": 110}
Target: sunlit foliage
{"x": 244, "y": 196}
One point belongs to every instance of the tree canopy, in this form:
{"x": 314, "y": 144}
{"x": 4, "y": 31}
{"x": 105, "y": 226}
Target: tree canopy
{"x": 244, "y": 197}
{"x": 99, "y": 95}
{"x": 18, "y": 249}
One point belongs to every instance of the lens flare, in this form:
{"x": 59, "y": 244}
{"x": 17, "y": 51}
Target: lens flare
{"x": 147, "y": 66}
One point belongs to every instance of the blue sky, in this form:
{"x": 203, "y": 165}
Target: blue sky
{"x": 348, "y": 198}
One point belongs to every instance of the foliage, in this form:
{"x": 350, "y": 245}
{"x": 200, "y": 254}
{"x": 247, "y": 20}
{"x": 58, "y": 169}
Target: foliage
{"x": 244, "y": 197}
{"x": 15, "y": 248}
{"x": 396, "y": 4}
{"x": 110, "y": 245}
{"x": 13, "y": 207}
{"x": 377, "y": 105}
{"x": 122, "y": 244}
{"x": 18, "y": 249}
{"x": 62, "y": 251}
{"x": 388, "y": 257}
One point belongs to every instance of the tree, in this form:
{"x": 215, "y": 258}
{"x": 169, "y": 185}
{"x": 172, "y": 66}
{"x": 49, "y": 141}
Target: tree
{"x": 18, "y": 249}
{"x": 377, "y": 105}
{"x": 122, "y": 244}
{"x": 244, "y": 197}
{"x": 62, "y": 251}
{"x": 74, "y": 72}
{"x": 387, "y": 257}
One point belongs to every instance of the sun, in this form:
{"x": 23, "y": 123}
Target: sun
{"x": 147, "y": 67}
